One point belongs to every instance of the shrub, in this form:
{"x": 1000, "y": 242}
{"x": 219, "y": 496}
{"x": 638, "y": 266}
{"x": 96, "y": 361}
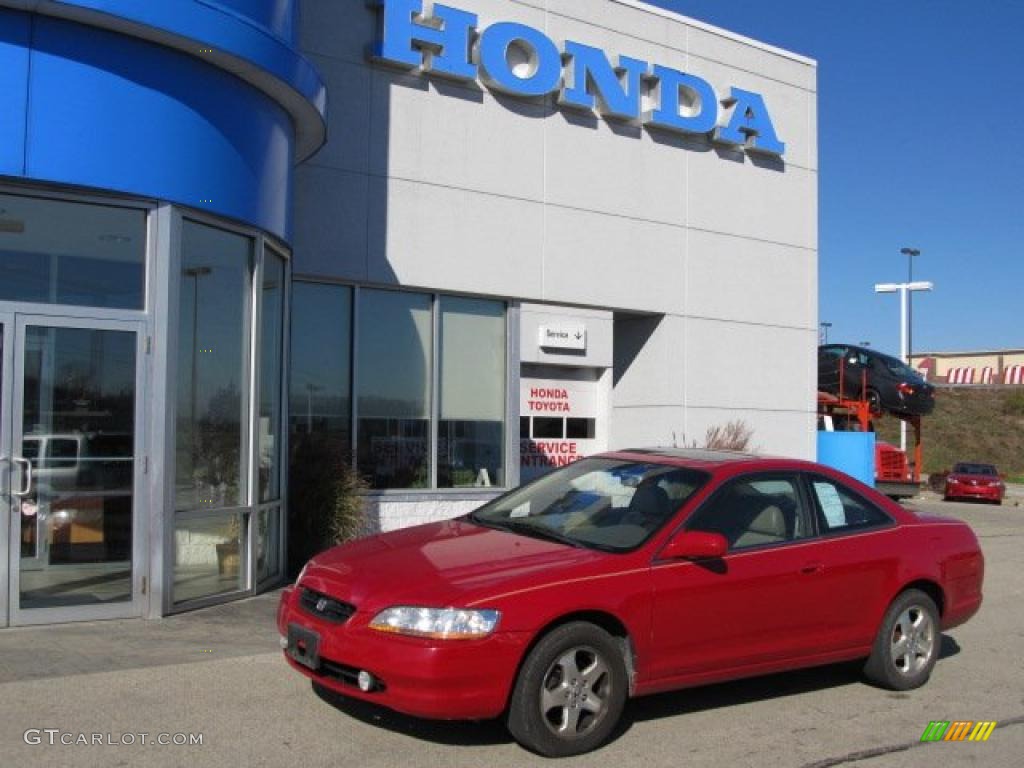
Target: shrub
{"x": 325, "y": 498}
{"x": 734, "y": 436}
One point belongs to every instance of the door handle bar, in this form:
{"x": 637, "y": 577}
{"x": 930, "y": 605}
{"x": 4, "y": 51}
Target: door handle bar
{"x": 28, "y": 476}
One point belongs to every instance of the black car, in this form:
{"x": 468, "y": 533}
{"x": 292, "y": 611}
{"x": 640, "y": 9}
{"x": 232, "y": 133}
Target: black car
{"x": 884, "y": 381}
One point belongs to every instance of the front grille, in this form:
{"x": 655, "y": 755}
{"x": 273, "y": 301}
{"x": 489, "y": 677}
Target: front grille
{"x": 325, "y": 607}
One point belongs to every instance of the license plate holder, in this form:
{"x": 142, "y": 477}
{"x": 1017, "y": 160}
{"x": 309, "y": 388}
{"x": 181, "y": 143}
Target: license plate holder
{"x": 304, "y": 646}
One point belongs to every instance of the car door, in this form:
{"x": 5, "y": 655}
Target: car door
{"x": 858, "y": 551}
{"x": 751, "y": 607}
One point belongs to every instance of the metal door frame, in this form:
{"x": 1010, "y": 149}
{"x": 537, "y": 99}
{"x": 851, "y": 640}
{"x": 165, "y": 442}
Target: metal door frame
{"x": 6, "y": 379}
{"x": 14, "y": 395}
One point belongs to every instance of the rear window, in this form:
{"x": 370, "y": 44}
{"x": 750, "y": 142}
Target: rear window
{"x": 897, "y": 368}
{"x": 838, "y": 509}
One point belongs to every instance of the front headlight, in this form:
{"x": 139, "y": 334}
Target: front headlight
{"x": 436, "y": 623}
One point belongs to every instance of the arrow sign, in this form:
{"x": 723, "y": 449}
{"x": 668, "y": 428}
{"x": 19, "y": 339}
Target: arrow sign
{"x": 563, "y": 337}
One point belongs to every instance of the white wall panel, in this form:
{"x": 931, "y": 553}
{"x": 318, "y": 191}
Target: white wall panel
{"x": 775, "y": 433}
{"x": 348, "y": 131}
{"x": 648, "y": 427}
{"x": 330, "y": 223}
{"x": 728, "y": 193}
{"x": 750, "y": 366}
{"x": 611, "y": 261}
{"x": 455, "y": 135}
{"x": 733, "y": 278}
{"x": 430, "y": 236}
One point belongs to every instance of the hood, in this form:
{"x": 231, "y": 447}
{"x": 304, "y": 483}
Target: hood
{"x": 451, "y": 563}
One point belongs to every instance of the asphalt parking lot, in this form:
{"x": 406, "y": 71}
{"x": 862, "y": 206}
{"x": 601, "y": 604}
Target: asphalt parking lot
{"x": 218, "y": 673}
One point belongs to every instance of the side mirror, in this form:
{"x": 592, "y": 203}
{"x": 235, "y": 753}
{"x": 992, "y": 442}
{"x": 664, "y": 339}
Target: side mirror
{"x": 695, "y": 545}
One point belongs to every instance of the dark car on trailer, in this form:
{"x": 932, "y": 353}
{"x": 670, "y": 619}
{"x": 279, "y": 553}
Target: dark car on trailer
{"x": 884, "y": 381}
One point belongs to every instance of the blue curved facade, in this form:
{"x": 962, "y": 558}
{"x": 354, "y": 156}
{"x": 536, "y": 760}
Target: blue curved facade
{"x": 206, "y": 104}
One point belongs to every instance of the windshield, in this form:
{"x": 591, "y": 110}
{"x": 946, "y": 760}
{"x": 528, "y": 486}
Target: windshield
{"x": 608, "y": 504}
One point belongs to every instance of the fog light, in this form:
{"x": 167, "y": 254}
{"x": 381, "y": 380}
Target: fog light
{"x": 283, "y": 641}
{"x": 366, "y": 681}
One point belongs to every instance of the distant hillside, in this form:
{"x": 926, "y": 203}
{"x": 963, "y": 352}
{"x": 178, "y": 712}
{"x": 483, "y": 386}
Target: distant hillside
{"x": 971, "y": 424}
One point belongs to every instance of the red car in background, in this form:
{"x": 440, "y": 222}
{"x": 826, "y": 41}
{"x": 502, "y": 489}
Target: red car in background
{"x": 628, "y": 574}
{"x": 974, "y": 481}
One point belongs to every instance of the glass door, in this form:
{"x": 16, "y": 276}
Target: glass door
{"x": 74, "y": 473}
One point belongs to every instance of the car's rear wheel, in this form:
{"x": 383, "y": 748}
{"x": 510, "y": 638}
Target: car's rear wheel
{"x": 907, "y": 645}
{"x": 570, "y": 691}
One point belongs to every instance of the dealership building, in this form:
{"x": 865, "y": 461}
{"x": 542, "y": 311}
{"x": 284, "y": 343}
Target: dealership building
{"x": 246, "y": 242}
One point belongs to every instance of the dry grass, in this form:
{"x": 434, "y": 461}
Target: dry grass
{"x": 985, "y": 425}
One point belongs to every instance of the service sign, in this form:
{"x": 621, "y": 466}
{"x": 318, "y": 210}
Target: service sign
{"x": 556, "y": 401}
{"x": 568, "y": 336}
{"x": 518, "y": 60}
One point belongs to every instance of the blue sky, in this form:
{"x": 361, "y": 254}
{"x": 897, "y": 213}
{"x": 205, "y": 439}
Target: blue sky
{"x": 921, "y": 144}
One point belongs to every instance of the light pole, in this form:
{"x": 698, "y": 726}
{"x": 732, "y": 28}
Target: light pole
{"x": 910, "y": 253}
{"x": 824, "y": 332}
{"x": 904, "y": 290}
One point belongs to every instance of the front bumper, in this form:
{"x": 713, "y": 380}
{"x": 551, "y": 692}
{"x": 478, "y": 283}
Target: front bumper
{"x": 442, "y": 680}
{"x": 963, "y": 491}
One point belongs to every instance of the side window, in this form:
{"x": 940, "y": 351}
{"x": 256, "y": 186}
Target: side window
{"x": 754, "y": 511}
{"x": 839, "y": 509}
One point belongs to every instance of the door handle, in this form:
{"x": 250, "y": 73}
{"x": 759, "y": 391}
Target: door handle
{"x": 28, "y": 476}
{"x": 812, "y": 568}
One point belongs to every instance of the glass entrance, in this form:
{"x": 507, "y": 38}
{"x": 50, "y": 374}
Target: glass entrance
{"x": 72, "y": 473}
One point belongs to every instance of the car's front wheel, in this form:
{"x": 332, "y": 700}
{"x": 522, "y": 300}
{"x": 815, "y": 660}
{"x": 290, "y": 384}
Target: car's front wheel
{"x": 907, "y": 645}
{"x": 570, "y": 691}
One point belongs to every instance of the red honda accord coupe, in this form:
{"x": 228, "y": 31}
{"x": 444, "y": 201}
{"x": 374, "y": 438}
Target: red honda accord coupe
{"x": 628, "y": 574}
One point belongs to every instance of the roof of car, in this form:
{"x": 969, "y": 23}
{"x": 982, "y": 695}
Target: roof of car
{"x": 706, "y": 458}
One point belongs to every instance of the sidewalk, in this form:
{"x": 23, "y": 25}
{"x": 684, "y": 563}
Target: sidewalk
{"x": 243, "y": 628}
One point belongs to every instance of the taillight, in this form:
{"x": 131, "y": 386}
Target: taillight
{"x": 905, "y": 388}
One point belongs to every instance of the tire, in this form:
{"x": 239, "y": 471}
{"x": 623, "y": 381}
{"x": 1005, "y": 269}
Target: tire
{"x": 570, "y": 692}
{"x": 907, "y": 645}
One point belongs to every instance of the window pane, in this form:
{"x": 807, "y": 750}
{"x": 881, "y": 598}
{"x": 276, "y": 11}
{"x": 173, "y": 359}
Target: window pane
{"x": 393, "y": 398}
{"x": 321, "y": 353}
{"x": 471, "y": 430}
{"x": 753, "y": 512}
{"x": 209, "y": 556}
{"x": 839, "y": 510}
{"x": 271, "y": 353}
{"x": 548, "y": 427}
{"x": 78, "y": 418}
{"x": 580, "y": 429}
{"x": 213, "y": 379}
{"x": 58, "y": 252}
{"x": 268, "y": 543}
